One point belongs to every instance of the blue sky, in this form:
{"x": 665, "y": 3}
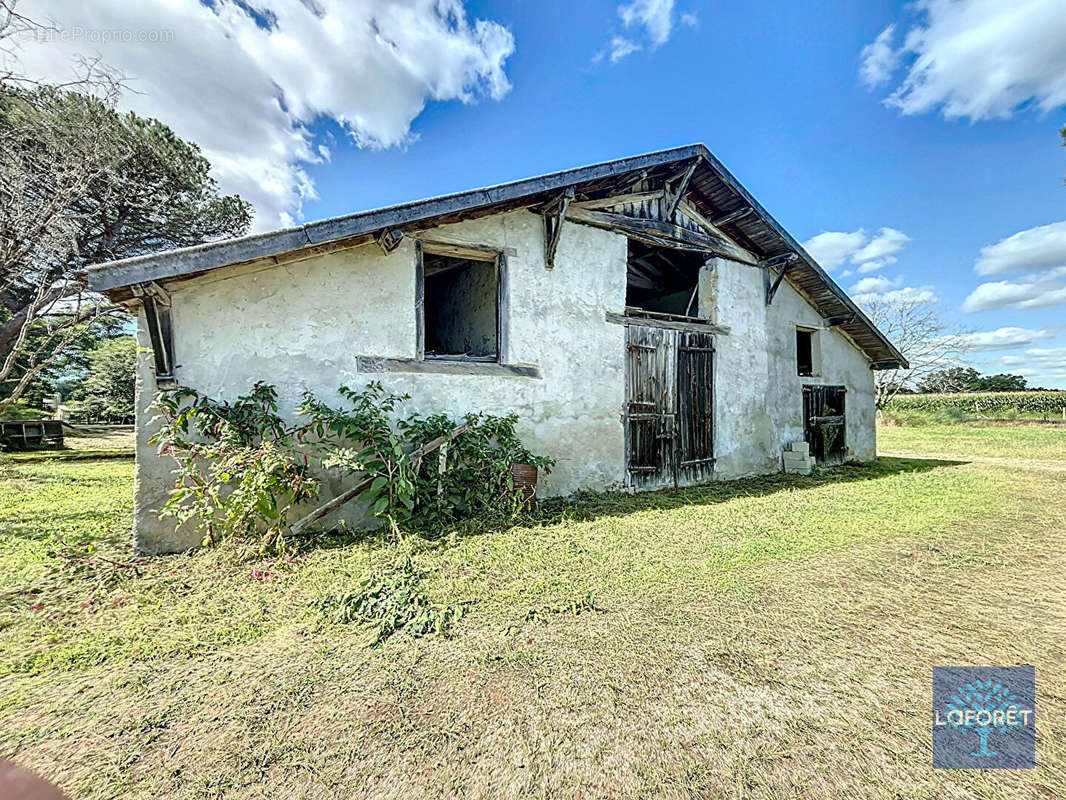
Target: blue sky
{"x": 912, "y": 151}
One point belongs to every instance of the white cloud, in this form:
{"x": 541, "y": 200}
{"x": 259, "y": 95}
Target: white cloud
{"x": 1003, "y": 338}
{"x": 646, "y": 23}
{"x": 1042, "y": 366}
{"x": 978, "y": 59}
{"x": 1043, "y": 247}
{"x": 832, "y": 248}
{"x": 1038, "y": 290}
{"x": 902, "y": 296}
{"x": 872, "y": 286}
{"x": 247, "y": 94}
{"x": 656, "y": 17}
{"x": 879, "y": 59}
{"x": 619, "y": 48}
{"x": 880, "y": 251}
{"x": 869, "y": 254}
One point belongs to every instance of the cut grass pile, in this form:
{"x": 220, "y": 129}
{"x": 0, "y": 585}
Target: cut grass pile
{"x": 770, "y": 637}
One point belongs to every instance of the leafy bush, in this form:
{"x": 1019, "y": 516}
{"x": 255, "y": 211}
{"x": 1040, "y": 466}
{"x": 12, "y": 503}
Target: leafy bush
{"x": 242, "y": 469}
{"x": 471, "y": 476}
{"x": 392, "y": 600}
{"x": 1049, "y": 403}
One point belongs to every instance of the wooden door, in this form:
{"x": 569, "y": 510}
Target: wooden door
{"x": 669, "y": 407}
{"x": 651, "y": 407}
{"x": 695, "y": 395}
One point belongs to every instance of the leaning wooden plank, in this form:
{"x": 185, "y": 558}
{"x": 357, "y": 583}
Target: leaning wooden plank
{"x": 648, "y": 228}
{"x": 298, "y": 527}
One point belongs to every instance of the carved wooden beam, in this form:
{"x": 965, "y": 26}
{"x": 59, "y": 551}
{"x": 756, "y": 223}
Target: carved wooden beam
{"x": 156, "y": 301}
{"x": 553, "y": 225}
{"x": 389, "y": 239}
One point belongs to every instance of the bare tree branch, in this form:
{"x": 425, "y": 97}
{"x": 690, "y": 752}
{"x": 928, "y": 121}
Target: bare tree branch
{"x": 921, "y": 336}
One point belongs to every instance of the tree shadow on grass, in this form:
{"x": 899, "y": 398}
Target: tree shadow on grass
{"x": 588, "y": 506}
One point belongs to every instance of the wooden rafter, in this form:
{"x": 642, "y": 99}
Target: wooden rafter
{"x": 732, "y": 216}
{"x": 680, "y": 186}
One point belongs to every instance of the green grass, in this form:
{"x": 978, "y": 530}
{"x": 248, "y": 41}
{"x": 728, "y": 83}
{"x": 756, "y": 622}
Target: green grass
{"x": 1044, "y": 442}
{"x": 754, "y": 634}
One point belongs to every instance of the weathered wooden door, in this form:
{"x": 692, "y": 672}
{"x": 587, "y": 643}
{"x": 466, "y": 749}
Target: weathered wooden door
{"x": 668, "y": 407}
{"x": 824, "y": 422}
{"x": 695, "y": 383}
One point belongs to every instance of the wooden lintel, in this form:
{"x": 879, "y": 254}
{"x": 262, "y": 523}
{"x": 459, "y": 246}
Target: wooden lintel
{"x": 694, "y": 325}
{"x": 732, "y": 216}
{"x": 553, "y": 225}
{"x": 664, "y": 234}
{"x": 673, "y": 196}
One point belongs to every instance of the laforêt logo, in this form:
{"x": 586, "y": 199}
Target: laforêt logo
{"x": 984, "y": 717}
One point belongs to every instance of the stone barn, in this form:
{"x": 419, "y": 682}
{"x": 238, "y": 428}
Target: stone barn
{"x": 648, "y": 321}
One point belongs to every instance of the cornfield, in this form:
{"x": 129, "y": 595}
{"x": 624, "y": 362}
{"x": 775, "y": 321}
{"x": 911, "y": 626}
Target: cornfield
{"x": 983, "y": 403}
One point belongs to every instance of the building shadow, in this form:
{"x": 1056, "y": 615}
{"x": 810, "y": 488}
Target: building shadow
{"x": 589, "y": 506}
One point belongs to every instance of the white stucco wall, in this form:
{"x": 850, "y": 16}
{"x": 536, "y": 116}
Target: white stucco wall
{"x": 758, "y": 393}
{"x": 302, "y": 327}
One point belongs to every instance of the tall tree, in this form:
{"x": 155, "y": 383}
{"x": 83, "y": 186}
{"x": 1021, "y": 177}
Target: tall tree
{"x": 81, "y": 183}
{"x": 918, "y": 331}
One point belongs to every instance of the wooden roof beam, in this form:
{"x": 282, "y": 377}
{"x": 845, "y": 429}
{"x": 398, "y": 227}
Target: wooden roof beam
{"x": 732, "y": 216}
{"x": 673, "y": 196}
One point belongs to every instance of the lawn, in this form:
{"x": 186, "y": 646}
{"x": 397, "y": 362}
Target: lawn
{"x": 771, "y": 637}
{"x": 1000, "y": 440}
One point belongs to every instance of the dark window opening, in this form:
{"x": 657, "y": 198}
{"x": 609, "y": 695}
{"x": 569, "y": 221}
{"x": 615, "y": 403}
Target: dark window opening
{"x": 804, "y": 352}
{"x": 663, "y": 280}
{"x": 461, "y": 307}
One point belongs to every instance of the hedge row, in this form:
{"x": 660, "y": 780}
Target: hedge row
{"x": 980, "y": 403}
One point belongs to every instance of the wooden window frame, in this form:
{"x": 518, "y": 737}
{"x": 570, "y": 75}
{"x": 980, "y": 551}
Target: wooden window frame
{"x": 482, "y": 253}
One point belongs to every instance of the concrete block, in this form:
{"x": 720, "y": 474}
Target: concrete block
{"x": 800, "y": 447}
{"x": 797, "y": 468}
{"x": 796, "y": 458}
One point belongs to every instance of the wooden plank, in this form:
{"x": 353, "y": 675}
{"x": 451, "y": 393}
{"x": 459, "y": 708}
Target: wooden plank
{"x": 674, "y": 325}
{"x": 617, "y": 200}
{"x": 673, "y": 196}
{"x": 420, "y": 303}
{"x": 472, "y": 252}
{"x": 665, "y": 233}
{"x": 446, "y": 366}
{"x": 502, "y": 310}
{"x": 346, "y": 497}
